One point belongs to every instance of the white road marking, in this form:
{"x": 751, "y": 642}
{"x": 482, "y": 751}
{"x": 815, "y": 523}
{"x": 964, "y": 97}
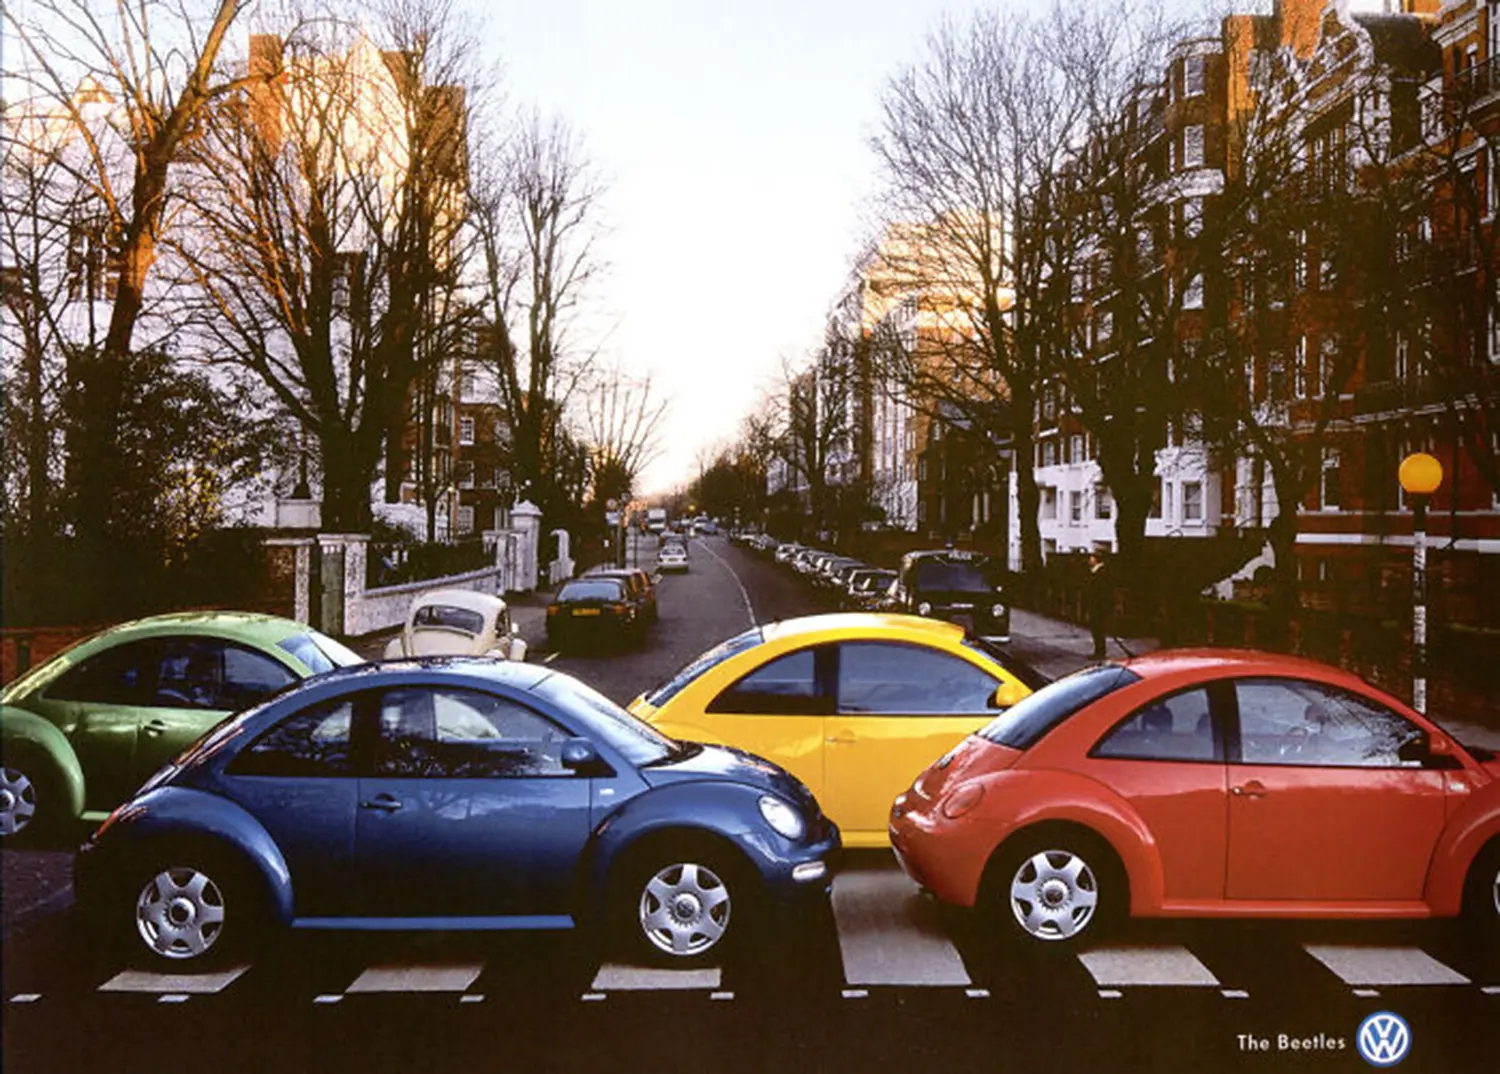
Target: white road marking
{"x": 616, "y": 977}
{"x": 721, "y": 996}
{"x": 1147, "y": 966}
{"x": 195, "y": 984}
{"x": 978, "y": 993}
{"x": 1375, "y": 966}
{"x": 1491, "y": 990}
{"x": 329, "y": 998}
{"x": 744, "y": 593}
{"x": 471, "y": 998}
{"x": 1234, "y": 993}
{"x": 172, "y": 997}
{"x": 856, "y": 993}
{"x": 890, "y": 935}
{"x": 592, "y": 997}
{"x": 418, "y": 978}
{"x": 553, "y": 655}
{"x": 1367, "y": 993}
{"x": 26, "y": 997}
{"x": 1110, "y": 993}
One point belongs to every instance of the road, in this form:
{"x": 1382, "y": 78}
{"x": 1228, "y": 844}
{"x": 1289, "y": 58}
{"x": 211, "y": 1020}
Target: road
{"x": 879, "y": 979}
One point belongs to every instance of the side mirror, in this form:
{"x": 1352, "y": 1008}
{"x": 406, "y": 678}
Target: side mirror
{"x": 1428, "y": 752}
{"x": 580, "y": 755}
{"x": 515, "y": 650}
{"x": 1008, "y": 694}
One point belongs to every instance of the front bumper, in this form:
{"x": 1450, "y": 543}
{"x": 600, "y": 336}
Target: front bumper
{"x": 802, "y": 873}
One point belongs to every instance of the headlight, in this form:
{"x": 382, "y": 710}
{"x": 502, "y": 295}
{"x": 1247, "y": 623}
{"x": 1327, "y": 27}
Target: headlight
{"x": 962, "y": 800}
{"x": 782, "y": 818}
{"x": 924, "y": 608}
{"x": 998, "y": 611}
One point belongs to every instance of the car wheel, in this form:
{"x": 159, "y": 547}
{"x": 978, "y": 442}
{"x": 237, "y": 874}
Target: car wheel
{"x": 26, "y": 801}
{"x": 1482, "y": 899}
{"x": 197, "y": 909}
{"x": 1052, "y": 889}
{"x": 682, "y": 905}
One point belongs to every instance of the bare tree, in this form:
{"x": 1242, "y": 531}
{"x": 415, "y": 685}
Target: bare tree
{"x": 621, "y": 425}
{"x": 533, "y": 205}
{"x": 813, "y": 429}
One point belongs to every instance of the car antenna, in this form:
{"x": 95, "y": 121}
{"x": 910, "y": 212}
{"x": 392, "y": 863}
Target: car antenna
{"x": 1128, "y": 654}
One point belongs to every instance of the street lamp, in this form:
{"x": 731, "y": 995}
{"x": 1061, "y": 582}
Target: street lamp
{"x": 1420, "y": 476}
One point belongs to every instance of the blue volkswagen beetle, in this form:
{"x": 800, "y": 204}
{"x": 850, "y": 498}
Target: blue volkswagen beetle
{"x": 452, "y": 794}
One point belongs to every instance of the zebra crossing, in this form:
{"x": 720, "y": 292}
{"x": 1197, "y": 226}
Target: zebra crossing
{"x": 889, "y": 937}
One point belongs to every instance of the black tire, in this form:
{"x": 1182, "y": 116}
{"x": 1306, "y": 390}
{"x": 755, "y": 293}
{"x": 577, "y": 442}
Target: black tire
{"x": 31, "y": 800}
{"x": 193, "y": 908}
{"x": 1482, "y": 893}
{"x": 1053, "y": 889}
{"x": 685, "y": 902}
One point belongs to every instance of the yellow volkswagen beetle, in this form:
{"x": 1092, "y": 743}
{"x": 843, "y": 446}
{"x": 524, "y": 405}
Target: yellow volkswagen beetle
{"x": 854, "y": 704}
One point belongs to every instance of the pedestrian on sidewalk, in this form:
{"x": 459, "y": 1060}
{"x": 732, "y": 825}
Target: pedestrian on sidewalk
{"x": 1101, "y": 596}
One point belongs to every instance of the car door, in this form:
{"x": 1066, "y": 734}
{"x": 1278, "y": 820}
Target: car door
{"x": 1321, "y": 805}
{"x": 776, "y": 711}
{"x": 1166, "y": 761}
{"x": 100, "y": 705}
{"x": 468, "y": 811}
{"x": 299, "y": 779}
{"x": 899, "y": 708}
{"x": 199, "y": 681}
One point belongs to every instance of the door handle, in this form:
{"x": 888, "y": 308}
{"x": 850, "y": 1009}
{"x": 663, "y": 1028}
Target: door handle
{"x": 387, "y": 803}
{"x": 154, "y": 729}
{"x": 1253, "y": 789}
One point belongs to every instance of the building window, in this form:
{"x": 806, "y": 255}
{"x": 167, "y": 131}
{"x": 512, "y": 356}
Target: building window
{"x": 1192, "y": 76}
{"x": 466, "y": 431}
{"x": 1402, "y": 363}
{"x": 1325, "y": 377}
{"x": 1192, "y": 146}
{"x": 1049, "y": 503}
{"x": 465, "y": 518}
{"x": 1331, "y": 479}
{"x": 1075, "y": 507}
{"x": 1276, "y": 377}
{"x": 1493, "y": 316}
{"x": 1103, "y": 502}
{"x": 1192, "y": 293}
{"x": 1192, "y": 501}
{"x": 1075, "y": 448}
{"x": 1299, "y": 261}
{"x": 1192, "y": 217}
{"x": 466, "y": 473}
{"x": 1156, "y": 499}
{"x": 1299, "y": 368}
{"x": 1049, "y": 453}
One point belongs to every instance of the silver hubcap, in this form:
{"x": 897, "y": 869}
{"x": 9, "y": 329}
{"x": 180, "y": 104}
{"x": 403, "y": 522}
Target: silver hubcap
{"x": 17, "y": 801}
{"x": 684, "y": 909}
{"x": 1054, "y": 894}
{"x": 180, "y": 913}
{"x": 1495, "y": 893}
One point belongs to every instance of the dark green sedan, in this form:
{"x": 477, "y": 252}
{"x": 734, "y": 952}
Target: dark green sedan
{"x": 84, "y": 729}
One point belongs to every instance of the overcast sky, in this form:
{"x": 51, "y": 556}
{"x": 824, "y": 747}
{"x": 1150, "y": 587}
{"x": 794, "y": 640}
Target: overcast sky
{"x": 734, "y": 139}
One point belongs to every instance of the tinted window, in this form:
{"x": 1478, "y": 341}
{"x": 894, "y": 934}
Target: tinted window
{"x": 787, "y": 686}
{"x": 250, "y": 677}
{"x": 320, "y": 653}
{"x": 464, "y": 734}
{"x": 711, "y": 659}
{"x": 449, "y": 617}
{"x": 191, "y": 674}
{"x": 937, "y": 574}
{"x": 119, "y": 676}
{"x": 637, "y": 741}
{"x": 902, "y": 679}
{"x": 1292, "y": 722}
{"x": 592, "y": 589}
{"x": 1023, "y": 724}
{"x": 313, "y": 742}
{"x": 1175, "y": 728}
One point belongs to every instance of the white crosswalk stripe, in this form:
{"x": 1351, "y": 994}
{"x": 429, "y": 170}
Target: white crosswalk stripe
{"x": 1378, "y": 966}
{"x": 441, "y": 977}
{"x": 194, "y": 984}
{"x": 1154, "y": 966}
{"x": 616, "y": 977}
{"x": 890, "y": 935}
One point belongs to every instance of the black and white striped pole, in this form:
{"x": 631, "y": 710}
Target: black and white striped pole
{"x": 1420, "y": 476}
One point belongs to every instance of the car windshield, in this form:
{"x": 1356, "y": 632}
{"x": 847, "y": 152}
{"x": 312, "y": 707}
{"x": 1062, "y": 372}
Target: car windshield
{"x": 637, "y": 741}
{"x": 448, "y": 617}
{"x": 713, "y": 658}
{"x": 1028, "y": 675}
{"x": 947, "y": 575}
{"x": 320, "y": 653}
{"x": 591, "y": 589}
{"x": 1024, "y": 723}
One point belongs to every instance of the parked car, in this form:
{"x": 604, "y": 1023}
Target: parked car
{"x": 853, "y": 705}
{"x": 594, "y": 608}
{"x": 672, "y": 558}
{"x": 458, "y": 622}
{"x": 85, "y": 727}
{"x": 638, "y": 583}
{"x": 1209, "y": 783}
{"x": 866, "y": 588}
{"x": 954, "y": 584}
{"x": 452, "y": 794}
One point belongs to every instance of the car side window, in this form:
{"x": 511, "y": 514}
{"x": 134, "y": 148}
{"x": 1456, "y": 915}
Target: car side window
{"x": 1175, "y": 728}
{"x": 1295, "y": 722}
{"x": 122, "y": 675}
{"x": 190, "y": 675}
{"x": 310, "y": 743}
{"x": 250, "y": 677}
{"x": 453, "y": 733}
{"x": 787, "y": 686}
{"x": 882, "y": 678}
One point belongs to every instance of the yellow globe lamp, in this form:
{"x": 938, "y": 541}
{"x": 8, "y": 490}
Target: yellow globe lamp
{"x": 1420, "y": 474}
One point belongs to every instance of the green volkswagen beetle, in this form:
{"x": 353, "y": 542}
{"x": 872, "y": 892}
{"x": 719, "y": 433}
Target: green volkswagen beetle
{"x": 84, "y": 729}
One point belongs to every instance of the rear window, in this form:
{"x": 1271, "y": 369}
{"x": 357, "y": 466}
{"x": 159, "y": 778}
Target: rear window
{"x": 448, "y": 616}
{"x": 1024, "y": 724}
{"x": 711, "y": 659}
{"x": 592, "y": 589}
{"x": 320, "y": 653}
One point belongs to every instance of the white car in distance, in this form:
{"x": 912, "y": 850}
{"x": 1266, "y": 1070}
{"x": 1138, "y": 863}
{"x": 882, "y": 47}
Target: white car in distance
{"x": 458, "y": 622}
{"x": 672, "y": 558}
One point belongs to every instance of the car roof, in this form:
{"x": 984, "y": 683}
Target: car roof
{"x": 1237, "y": 662}
{"x": 866, "y": 622}
{"x": 268, "y": 629}
{"x": 484, "y": 603}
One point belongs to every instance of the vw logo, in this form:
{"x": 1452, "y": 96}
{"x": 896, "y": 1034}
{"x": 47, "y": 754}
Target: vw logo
{"x": 1384, "y": 1039}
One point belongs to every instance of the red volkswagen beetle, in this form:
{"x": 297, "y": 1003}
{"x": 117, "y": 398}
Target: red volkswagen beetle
{"x": 1201, "y": 783}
